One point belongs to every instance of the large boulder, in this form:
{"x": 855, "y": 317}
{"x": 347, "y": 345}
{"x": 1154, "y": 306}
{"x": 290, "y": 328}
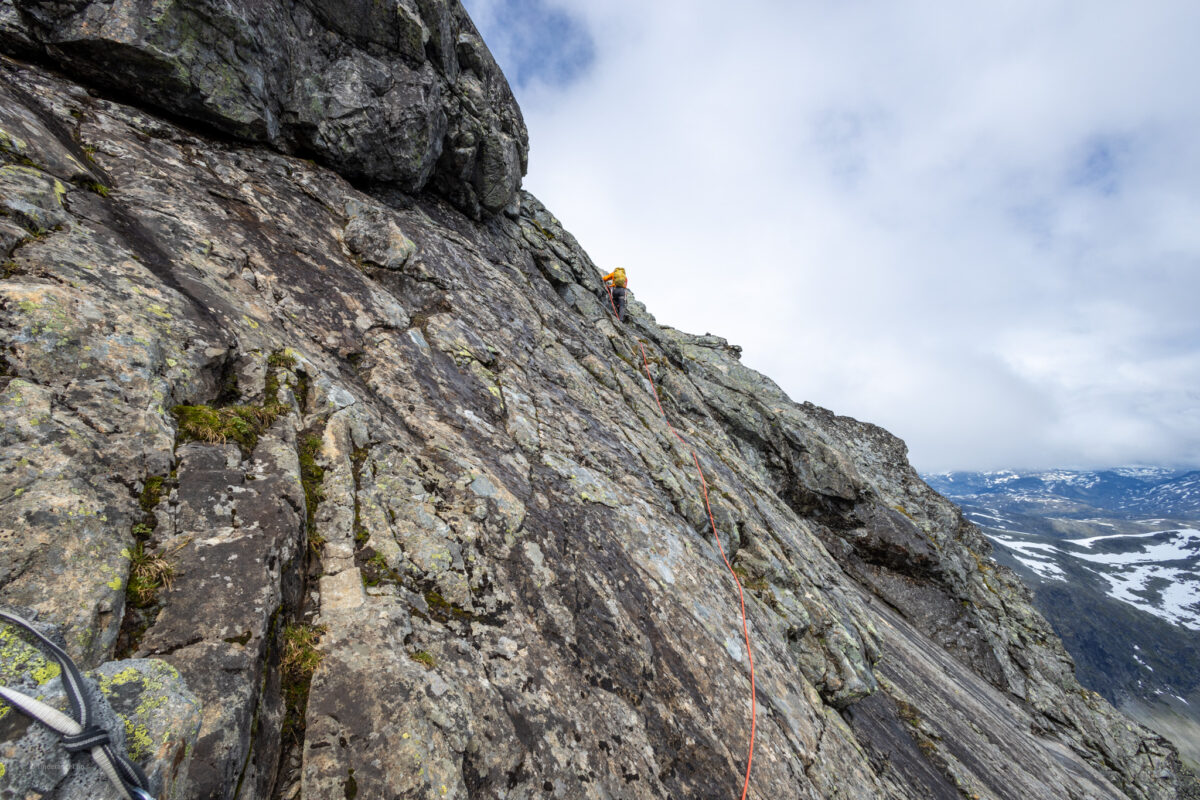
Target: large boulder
{"x": 402, "y": 92}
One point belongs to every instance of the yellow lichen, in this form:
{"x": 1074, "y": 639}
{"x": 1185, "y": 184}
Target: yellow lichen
{"x": 138, "y": 743}
{"x": 15, "y": 144}
{"x": 18, "y": 658}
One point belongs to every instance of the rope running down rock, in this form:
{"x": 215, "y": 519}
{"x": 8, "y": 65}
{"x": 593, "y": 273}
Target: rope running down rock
{"x": 712, "y": 521}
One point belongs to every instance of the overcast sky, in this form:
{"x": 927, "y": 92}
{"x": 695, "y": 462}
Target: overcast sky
{"x": 975, "y": 224}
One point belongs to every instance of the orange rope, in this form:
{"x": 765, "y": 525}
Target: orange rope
{"x": 741, "y": 594}
{"x": 713, "y": 522}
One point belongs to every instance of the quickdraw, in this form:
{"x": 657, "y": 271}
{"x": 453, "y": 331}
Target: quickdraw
{"x": 79, "y": 731}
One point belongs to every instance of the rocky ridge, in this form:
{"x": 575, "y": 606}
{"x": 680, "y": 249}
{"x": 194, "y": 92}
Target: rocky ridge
{"x": 407, "y": 430}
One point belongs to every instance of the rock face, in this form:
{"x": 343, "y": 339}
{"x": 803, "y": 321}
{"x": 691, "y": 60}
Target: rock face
{"x": 389, "y": 488}
{"x": 397, "y": 92}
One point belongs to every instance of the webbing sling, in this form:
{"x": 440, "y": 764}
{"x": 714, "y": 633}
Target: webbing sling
{"x": 79, "y": 731}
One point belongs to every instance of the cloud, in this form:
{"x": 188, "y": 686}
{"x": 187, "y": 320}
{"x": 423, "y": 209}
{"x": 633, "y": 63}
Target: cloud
{"x": 974, "y": 225}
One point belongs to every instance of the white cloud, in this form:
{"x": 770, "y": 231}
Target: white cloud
{"x": 973, "y": 224}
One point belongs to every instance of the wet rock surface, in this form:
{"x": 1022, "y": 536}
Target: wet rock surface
{"x": 409, "y": 456}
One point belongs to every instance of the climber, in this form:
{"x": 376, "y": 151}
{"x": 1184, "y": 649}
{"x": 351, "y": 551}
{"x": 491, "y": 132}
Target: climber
{"x": 616, "y": 282}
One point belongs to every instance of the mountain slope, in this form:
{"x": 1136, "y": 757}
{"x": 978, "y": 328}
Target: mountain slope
{"x": 1122, "y": 591}
{"x": 378, "y": 418}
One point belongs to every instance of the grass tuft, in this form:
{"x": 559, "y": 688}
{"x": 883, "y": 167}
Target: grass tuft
{"x": 149, "y": 573}
{"x": 300, "y": 660}
{"x": 239, "y": 424}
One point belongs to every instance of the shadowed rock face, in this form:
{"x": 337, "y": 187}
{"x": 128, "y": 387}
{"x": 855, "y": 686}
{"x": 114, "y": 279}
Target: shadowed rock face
{"x": 420, "y": 438}
{"x": 397, "y": 92}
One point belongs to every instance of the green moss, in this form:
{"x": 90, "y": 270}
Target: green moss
{"x": 908, "y": 712}
{"x": 96, "y": 188}
{"x": 754, "y": 584}
{"x": 312, "y": 476}
{"x": 245, "y": 637}
{"x": 375, "y": 570}
{"x": 300, "y": 660}
{"x": 443, "y": 610}
{"x": 278, "y": 360}
{"x": 239, "y": 424}
{"x": 424, "y": 658}
{"x": 152, "y": 492}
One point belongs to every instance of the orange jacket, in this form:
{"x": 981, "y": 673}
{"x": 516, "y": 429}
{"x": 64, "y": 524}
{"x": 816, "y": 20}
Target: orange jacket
{"x": 617, "y": 276}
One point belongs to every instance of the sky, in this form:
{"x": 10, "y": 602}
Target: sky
{"x": 974, "y": 224}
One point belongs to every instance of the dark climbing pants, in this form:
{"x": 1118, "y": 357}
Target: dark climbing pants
{"x": 618, "y": 298}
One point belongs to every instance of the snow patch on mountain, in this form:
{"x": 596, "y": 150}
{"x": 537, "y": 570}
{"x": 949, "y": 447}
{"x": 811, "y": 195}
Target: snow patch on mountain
{"x": 1177, "y": 601}
{"x": 1040, "y": 558}
{"x": 1118, "y": 530}
{"x": 1180, "y": 545}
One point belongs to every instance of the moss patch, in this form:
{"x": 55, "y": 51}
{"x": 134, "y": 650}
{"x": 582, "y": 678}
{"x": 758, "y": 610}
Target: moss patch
{"x": 443, "y": 610}
{"x": 375, "y": 570}
{"x": 242, "y": 424}
{"x": 239, "y": 424}
{"x": 424, "y": 658}
{"x": 753, "y": 584}
{"x": 542, "y": 230}
{"x": 152, "y": 493}
{"x": 278, "y": 360}
{"x": 312, "y": 477}
{"x": 300, "y": 660}
{"x": 908, "y": 712}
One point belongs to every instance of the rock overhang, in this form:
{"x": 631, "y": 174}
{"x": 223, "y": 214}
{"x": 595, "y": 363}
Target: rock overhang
{"x": 401, "y": 94}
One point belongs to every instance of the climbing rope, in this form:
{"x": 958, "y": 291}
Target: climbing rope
{"x": 712, "y": 521}
{"x": 80, "y": 733}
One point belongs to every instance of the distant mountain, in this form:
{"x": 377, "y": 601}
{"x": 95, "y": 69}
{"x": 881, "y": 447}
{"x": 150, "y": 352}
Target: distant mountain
{"x": 1113, "y": 560}
{"x": 1127, "y": 492}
